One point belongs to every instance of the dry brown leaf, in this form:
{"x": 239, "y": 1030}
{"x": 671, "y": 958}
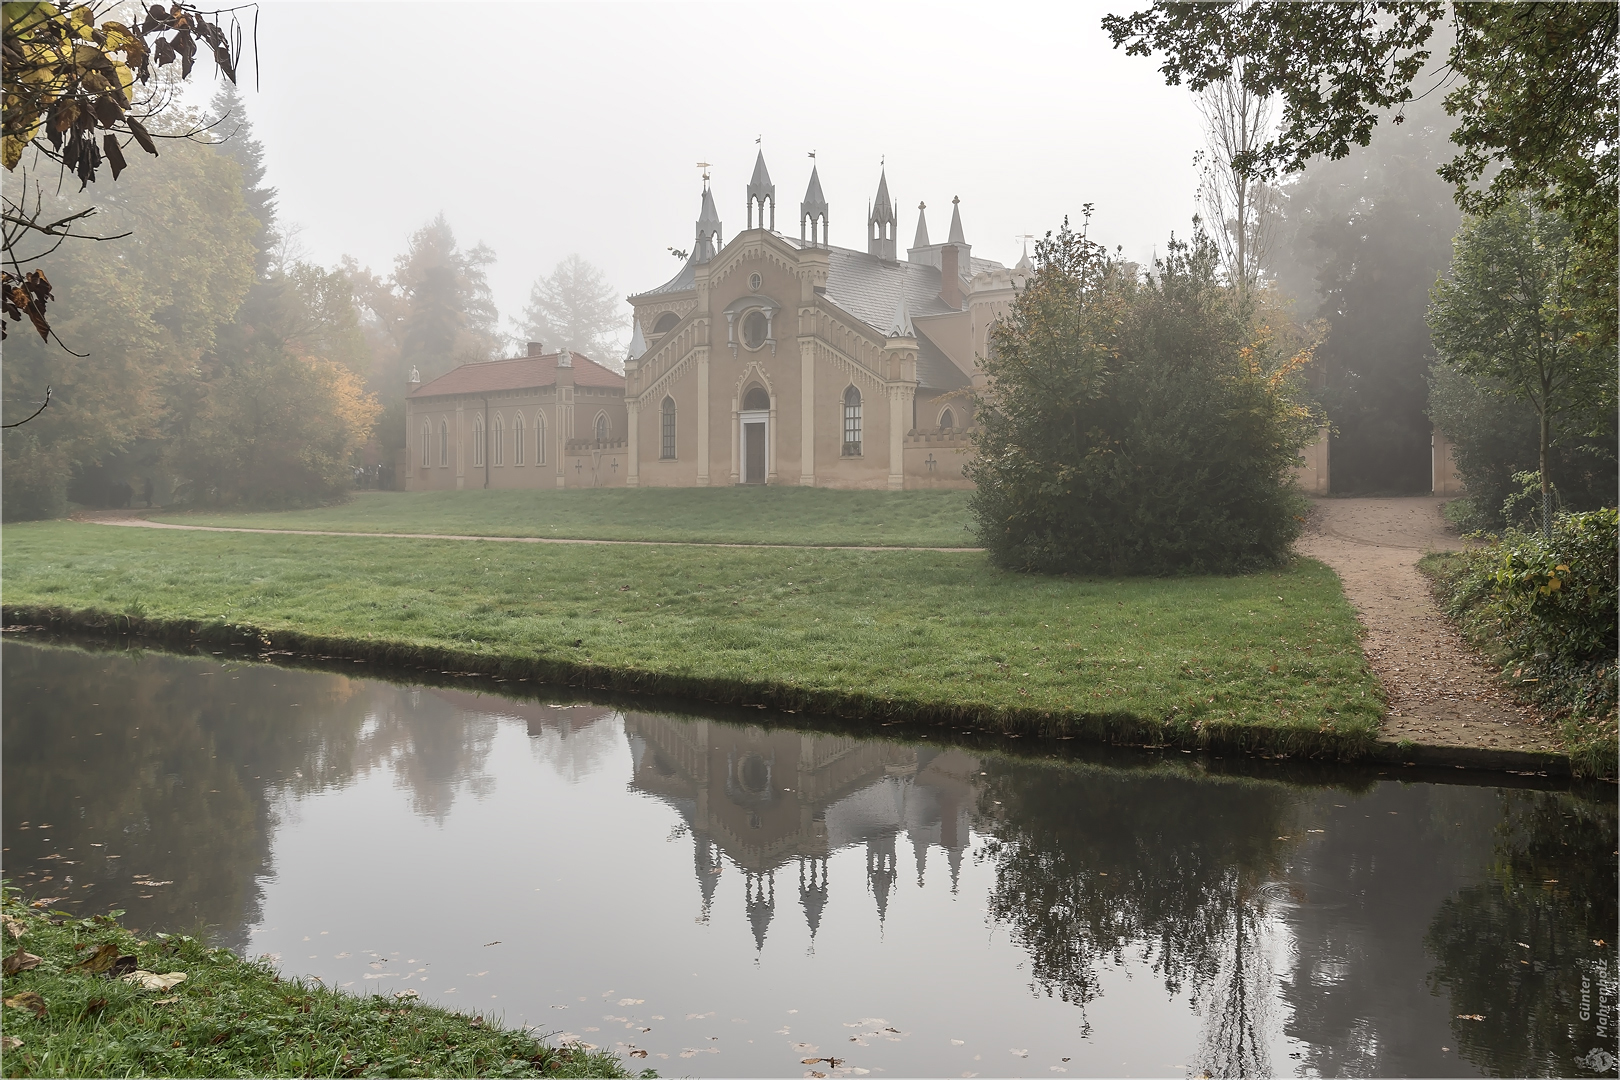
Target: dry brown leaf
{"x": 9, "y": 1042}
{"x": 19, "y": 961}
{"x": 99, "y": 961}
{"x": 148, "y": 980}
{"x": 27, "y": 1000}
{"x": 15, "y": 927}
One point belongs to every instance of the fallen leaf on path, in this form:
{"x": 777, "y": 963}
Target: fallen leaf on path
{"x": 27, "y": 1000}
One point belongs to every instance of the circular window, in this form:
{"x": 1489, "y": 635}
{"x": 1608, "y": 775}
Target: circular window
{"x": 755, "y": 329}
{"x": 755, "y": 281}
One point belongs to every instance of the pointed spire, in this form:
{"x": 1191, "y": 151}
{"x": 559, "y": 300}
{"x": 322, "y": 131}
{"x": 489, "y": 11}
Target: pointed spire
{"x": 881, "y": 220}
{"x": 1023, "y": 260}
{"x": 638, "y": 343}
{"x": 900, "y": 326}
{"x": 883, "y": 206}
{"x": 708, "y": 228}
{"x": 956, "y": 236}
{"x": 922, "y": 226}
{"x": 760, "y": 189}
{"x": 813, "y": 208}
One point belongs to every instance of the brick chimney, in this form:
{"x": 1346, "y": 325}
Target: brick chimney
{"x": 950, "y": 282}
{"x": 535, "y": 348}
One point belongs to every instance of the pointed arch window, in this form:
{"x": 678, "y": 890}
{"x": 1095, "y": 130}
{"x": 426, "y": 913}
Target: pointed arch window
{"x": 517, "y": 439}
{"x": 666, "y": 445}
{"x": 852, "y": 422}
{"x": 478, "y": 442}
{"x": 601, "y": 427}
{"x": 427, "y": 444}
{"x": 947, "y": 420}
{"x": 444, "y": 444}
{"x": 539, "y": 437}
{"x": 498, "y": 440}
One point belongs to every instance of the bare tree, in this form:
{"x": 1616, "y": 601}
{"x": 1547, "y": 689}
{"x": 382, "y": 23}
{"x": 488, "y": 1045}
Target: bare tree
{"x": 1238, "y": 205}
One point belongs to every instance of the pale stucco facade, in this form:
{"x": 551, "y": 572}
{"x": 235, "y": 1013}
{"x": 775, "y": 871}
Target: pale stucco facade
{"x": 775, "y": 360}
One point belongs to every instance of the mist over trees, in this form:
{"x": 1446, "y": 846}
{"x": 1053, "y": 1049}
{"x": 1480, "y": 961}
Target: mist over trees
{"x": 1359, "y": 242}
{"x": 433, "y": 313}
{"x": 576, "y": 307}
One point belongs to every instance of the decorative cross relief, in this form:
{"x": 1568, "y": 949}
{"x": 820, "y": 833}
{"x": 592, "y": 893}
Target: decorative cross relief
{"x": 930, "y": 462}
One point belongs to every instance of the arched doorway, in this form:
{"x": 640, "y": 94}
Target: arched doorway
{"x": 755, "y": 417}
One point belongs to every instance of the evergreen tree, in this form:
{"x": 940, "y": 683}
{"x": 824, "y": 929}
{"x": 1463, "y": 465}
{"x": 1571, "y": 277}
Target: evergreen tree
{"x": 575, "y": 307}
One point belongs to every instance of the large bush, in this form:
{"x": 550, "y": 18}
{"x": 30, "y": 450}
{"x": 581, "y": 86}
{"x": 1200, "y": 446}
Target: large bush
{"x": 1136, "y": 425}
{"x": 1545, "y": 610}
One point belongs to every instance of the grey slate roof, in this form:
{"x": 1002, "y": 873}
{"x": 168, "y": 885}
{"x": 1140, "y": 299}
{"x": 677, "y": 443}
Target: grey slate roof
{"x": 934, "y": 369}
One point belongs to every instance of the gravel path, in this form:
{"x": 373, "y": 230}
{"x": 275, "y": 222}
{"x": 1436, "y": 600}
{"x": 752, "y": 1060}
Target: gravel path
{"x": 1440, "y": 693}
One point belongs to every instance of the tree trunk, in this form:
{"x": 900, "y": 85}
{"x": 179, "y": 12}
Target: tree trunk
{"x": 1546, "y": 487}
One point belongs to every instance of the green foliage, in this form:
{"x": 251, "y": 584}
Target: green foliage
{"x": 142, "y": 309}
{"x": 1507, "y": 316}
{"x": 234, "y": 1017}
{"x": 1546, "y": 612}
{"x": 1495, "y": 439}
{"x": 1536, "y": 90}
{"x": 868, "y": 635}
{"x": 1136, "y": 427}
{"x": 269, "y": 418}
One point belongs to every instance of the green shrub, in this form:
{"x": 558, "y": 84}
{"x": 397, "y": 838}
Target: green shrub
{"x": 1546, "y": 612}
{"x": 1136, "y": 426}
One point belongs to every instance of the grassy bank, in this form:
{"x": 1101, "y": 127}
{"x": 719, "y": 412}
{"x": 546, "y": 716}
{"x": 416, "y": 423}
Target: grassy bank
{"x": 1268, "y": 661}
{"x": 734, "y": 515}
{"x": 229, "y": 1016}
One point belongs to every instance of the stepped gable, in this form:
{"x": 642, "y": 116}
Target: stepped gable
{"x": 518, "y": 373}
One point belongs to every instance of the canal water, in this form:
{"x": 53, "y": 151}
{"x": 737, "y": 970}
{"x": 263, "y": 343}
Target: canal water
{"x": 736, "y": 899}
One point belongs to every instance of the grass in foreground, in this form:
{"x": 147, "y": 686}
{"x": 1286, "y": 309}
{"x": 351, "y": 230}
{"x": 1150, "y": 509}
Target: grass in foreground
{"x": 1270, "y": 660}
{"x": 731, "y": 515}
{"x": 231, "y": 1017}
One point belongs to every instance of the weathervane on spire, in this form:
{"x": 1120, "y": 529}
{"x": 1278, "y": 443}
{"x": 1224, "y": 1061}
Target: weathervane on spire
{"x": 704, "y": 165}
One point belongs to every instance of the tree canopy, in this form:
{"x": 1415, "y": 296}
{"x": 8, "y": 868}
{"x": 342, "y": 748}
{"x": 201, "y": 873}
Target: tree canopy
{"x": 575, "y": 307}
{"x": 71, "y": 94}
{"x": 1534, "y": 88}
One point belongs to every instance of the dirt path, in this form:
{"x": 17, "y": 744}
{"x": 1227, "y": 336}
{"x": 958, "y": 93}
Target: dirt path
{"x": 1440, "y": 693}
{"x": 124, "y": 518}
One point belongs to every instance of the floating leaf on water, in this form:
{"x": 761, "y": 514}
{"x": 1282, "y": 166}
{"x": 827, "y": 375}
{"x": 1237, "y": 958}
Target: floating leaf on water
{"x": 46, "y": 901}
{"x": 27, "y": 1000}
{"x": 1469, "y": 1016}
{"x": 638, "y": 1053}
{"x": 632, "y": 1001}
{"x": 19, "y": 961}
{"x": 958, "y": 1042}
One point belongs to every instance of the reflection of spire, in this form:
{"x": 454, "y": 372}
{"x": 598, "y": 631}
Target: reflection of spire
{"x": 919, "y": 848}
{"x": 708, "y": 871}
{"x": 760, "y": 893}
{"x": 880, "y": 871}
{"x": 954, "y": 855}
{"x": 813, "y": 892}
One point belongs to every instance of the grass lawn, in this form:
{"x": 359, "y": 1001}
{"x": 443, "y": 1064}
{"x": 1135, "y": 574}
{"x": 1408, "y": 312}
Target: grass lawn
{"x": 230, "y": 1017}
{"x": 1267, "y": 660}
{"x": 736, "y": 515}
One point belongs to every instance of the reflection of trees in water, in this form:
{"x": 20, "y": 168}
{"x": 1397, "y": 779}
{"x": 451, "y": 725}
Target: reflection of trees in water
{"x": 169, "y": 768}
{"x": 1237, "y": 1002}
{"x": 1090, "y": 864}
{"x": 1516, "y": 947}
{"x": 435, "y": 749}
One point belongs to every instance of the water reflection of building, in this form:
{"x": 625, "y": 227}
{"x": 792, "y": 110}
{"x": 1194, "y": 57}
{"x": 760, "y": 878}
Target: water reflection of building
{"x": 771, "y": 799}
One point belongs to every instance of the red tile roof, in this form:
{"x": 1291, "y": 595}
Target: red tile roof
{"x": 518, "y": 373}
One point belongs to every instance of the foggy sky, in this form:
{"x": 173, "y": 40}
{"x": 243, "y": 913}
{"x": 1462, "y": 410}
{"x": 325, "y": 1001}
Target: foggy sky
{"x": 549, "y": 129}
